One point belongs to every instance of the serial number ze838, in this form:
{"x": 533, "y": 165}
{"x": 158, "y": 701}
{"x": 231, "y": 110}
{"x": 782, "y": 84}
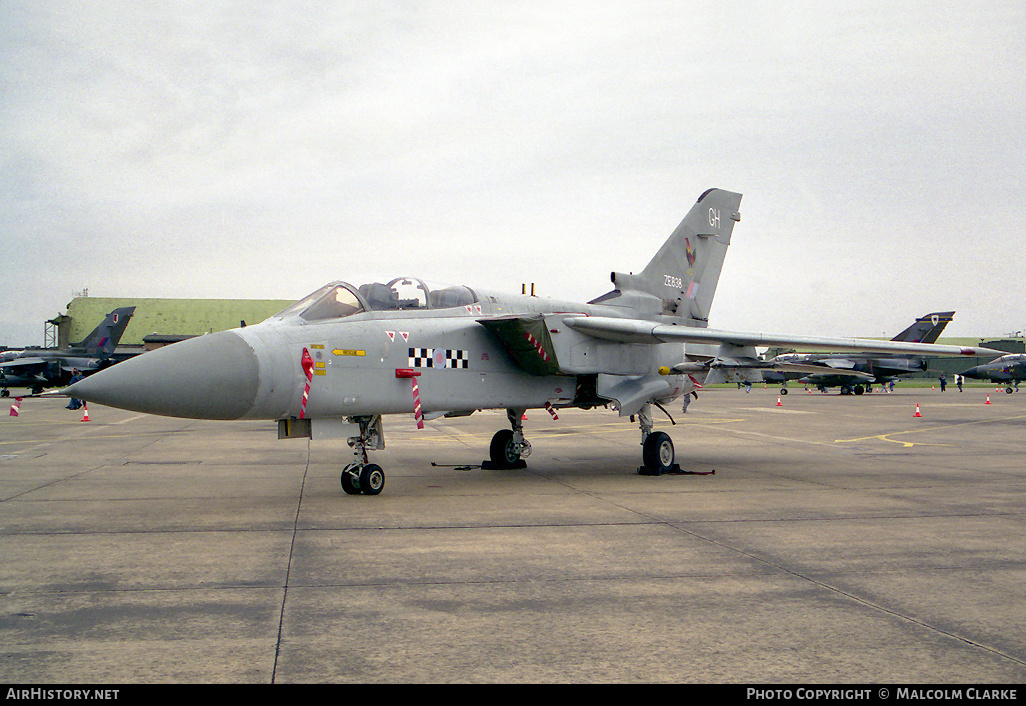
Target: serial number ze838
{"x": 674, "y": 282}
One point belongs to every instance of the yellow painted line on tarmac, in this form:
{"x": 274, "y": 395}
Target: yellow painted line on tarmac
{"x": 941, "y": 427}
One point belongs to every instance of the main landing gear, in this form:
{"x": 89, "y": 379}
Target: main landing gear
{"x": 509, "y": 448}
{"x": 361, "y": 476}
{"x": 656, "y": 447}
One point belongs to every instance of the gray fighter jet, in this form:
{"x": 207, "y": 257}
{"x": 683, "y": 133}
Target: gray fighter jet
{"x": 1007, "y": 370}
{"x": 332, "y": 364}
{"x": 40, "y": 368}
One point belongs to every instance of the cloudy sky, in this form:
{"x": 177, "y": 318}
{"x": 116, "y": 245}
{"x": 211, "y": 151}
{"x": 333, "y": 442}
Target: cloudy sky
{"x": 258, "y": 150}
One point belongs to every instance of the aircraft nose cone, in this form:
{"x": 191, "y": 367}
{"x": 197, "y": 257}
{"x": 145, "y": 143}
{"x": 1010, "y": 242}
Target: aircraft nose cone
{"x": 207, "y": 377}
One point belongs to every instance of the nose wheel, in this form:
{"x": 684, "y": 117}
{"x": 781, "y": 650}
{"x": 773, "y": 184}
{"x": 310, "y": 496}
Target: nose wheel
{"x": 366, "y": 478}
{"x": 362, "y": 476}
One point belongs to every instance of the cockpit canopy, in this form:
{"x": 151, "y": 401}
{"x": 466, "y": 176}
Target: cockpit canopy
{"x": 340, "y": 299}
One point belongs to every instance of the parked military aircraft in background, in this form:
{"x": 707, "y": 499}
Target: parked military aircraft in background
{"x": 1007, "y": 370}
{"x": 39, "y": 368}
{"x": 332, "y": 364}
{"x": 852, "y": 373}
{"x": 857, "y": 373}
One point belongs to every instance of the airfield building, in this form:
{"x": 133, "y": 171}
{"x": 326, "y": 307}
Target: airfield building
{"x": 158, "y": 322}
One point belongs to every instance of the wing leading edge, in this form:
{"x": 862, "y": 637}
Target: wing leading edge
{"x": 641, "y": 331}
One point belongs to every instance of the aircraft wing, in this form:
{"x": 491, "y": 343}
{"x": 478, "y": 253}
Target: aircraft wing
{"x": 751, "y": 364}
{"x": 24, "y": 365}
{"x": 812, "y": 369}
{"x": 641, "y": 331}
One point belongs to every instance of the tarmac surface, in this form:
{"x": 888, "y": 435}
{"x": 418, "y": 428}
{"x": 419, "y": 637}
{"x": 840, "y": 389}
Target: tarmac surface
{"x": 840, "y": 540}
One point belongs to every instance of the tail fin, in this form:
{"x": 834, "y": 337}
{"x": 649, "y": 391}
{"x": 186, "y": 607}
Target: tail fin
{"x": 926, "y": 329}
{"x": 681, "y": 279}
{"x": 105, "y": 337}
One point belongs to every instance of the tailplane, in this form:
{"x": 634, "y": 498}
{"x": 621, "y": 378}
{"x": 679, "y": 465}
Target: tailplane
{"x": 681, "y": 279}
{"x": 105, "y": 337}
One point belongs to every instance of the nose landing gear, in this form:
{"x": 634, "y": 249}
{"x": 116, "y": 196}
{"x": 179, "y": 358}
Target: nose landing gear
{"x": 367, "y": 478}
{"x": 361, "y": 476}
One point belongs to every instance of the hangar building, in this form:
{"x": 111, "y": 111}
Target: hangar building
{"x": 157, "y": 322}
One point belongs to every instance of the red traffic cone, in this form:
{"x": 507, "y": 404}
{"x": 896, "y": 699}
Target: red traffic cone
{"x": 917, "y": 414}
{"x": 15, "y": 406}
{"x": 778, "y": 401}
{"x": 988, "y": 400}
{"x": 85, "y": 412}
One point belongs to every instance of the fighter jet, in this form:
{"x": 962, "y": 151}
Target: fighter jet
{"x": 852, "y": 373}
{"x": 42, "y": 368}
{"x": 332, "y": 364}
{"x": 1007, "y": 370}
{"x": 855, "y": 374}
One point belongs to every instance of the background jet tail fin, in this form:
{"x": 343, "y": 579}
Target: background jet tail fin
{"x": 926, "y": 329}
{"x": 682, "y": 276}
{"x": 105, "y": 337}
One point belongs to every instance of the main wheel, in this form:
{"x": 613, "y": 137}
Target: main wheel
{"x": 1008, "y": 390}
{"x": 657, "y": 453}
{"x": 501, "y": 451}
{"x": 372, "y": 479}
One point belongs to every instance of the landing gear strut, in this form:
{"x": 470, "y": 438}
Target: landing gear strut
{"x": 656, "y": 447}
{"x": 509, "y": 448}
{"x": 361, "y": 476}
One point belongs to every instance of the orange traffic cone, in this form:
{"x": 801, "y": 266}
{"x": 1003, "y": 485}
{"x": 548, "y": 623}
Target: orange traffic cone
{"x": 988, "y": 400}
{"x": 778, "y": 401}
{"x": 85, "y": 412}
{"x": 15, "y": 407}
{"x": 917, "y": 414}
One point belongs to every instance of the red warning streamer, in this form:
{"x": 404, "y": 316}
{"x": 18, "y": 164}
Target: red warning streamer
{"x": 538, "y": 346}
{"x": 418, "y": 413}
{"x": 308, "y": 368}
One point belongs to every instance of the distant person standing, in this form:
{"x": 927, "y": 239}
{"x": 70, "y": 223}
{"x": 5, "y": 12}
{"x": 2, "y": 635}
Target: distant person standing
{"x": 75, "y": 377}
{"x": 943, "y": 381}
{"x": 958, "y": 381}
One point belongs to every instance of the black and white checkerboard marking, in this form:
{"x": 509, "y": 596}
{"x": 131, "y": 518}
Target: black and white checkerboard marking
{"x": 439, "y": 358}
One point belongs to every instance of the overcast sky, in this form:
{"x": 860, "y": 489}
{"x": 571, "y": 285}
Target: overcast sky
{"x": 258, "y": 150}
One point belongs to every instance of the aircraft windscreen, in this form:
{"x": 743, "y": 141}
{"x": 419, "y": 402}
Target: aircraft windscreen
{"x": 332, "y": 301}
